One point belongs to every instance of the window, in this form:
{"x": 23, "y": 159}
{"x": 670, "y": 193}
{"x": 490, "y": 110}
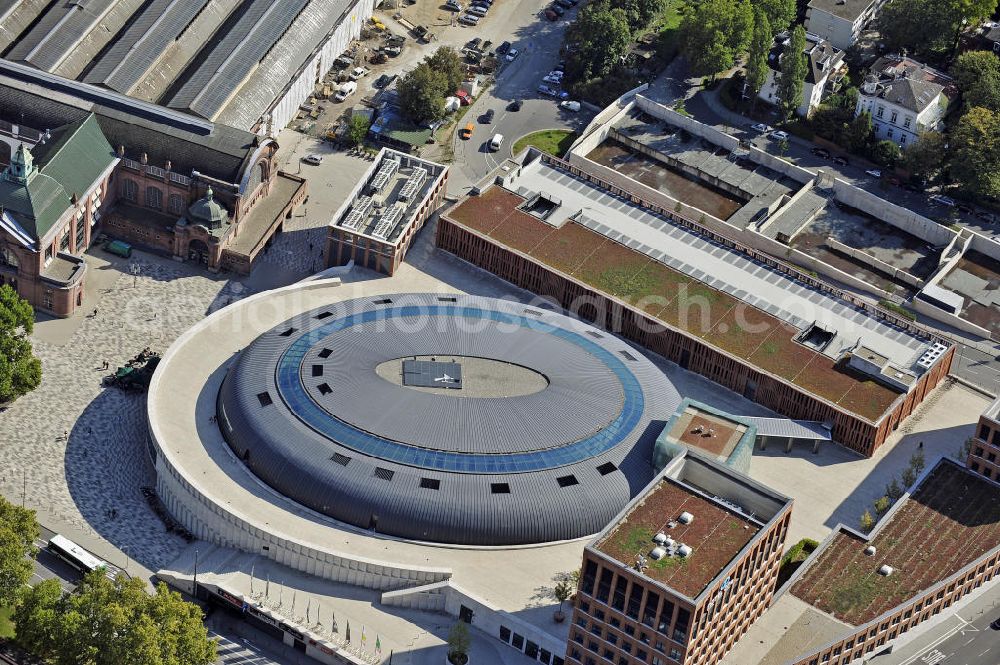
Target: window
{"x": 892, "y": 118}
{"x": 880, "y": 112}
{"x": 175, "y": 203}
{"x": 154, "y": 198}
{"x": 906, "y": 122}
{"x": 618, "y": 600}
{"x": 634, "y": 600}
{"x": 588, "y": 577}
{"x": 889, "y": 133}
{"x": 902, "y": 139}
{"x": 984, "y": 434}
{"x": 130, "y": 190}
{"x": 604, "y": 586}
{"x": 8, "y": 257}
{"x": 675, "y": 654}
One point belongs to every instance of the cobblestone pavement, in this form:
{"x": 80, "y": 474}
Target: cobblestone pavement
{"x": 76, "y": 481}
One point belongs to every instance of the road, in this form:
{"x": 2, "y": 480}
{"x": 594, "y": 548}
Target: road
{"x": 962, "y": 639}
{"x": 537, "y": 41}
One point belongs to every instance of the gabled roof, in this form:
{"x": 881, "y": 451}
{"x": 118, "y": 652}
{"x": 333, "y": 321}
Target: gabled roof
{"x": 823, "y": 58}
{"x": 845, "y": 9}
{"x": 909, "y": 83}
{"x": 35, "y": 205}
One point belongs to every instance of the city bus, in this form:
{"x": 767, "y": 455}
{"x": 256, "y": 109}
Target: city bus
{"x": 79, "y": 558}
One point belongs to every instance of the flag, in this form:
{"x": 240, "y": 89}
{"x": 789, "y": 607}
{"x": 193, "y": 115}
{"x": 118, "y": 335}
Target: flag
{"x": 363, "y": 638}
{"x": 378, "y": 644}
{"x": 333, "y": 622}
{"x": 347, "y": 634}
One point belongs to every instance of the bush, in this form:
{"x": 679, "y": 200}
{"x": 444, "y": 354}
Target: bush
{"x": 898, "y": 309}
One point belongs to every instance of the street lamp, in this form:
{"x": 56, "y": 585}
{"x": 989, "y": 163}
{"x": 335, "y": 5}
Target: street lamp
{"x": 135, "y": 269}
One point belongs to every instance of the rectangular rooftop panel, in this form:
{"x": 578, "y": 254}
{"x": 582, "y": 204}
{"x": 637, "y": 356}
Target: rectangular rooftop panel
{"x": 61, "y": 28}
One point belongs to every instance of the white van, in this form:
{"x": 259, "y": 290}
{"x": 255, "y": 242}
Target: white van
{"x": 469, "y": 19}
{"x": 476, "y": 11}
{"x": 496, "y": 141}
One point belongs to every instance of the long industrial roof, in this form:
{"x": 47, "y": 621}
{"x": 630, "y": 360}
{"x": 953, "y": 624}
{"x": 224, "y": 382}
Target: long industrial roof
{"x": 307, "y": 409}
{"x": 58, "y": 31}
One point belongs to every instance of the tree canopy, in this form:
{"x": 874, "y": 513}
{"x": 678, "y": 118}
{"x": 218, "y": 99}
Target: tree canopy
{"x": 975, "y": 157}
{"x": 793, "y": 73}
{"x": 112, "y": 623}
{"x": 20, "y": 370}
{"x": 925, "y": 157}
{"x": 638, "y": 13}
{"x": 715, "y": 34}
{"x": 447, "y": 61}
{"x": 600, "y": 36}
{"x": 760, "y": 46}
{"x": 18, "y": 531}
{"x": 779, "y": 13}
{"x": 422, "y": 91}
{"x": 357, "y": 129}
{"x": 978, "y": 76}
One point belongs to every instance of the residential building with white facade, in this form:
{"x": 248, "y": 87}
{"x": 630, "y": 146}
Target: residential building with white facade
{"x": 826, "y": 69}
{"x": 905, "y": 98}
{"x": 841, "y": 21}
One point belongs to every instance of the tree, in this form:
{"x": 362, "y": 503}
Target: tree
{"x": 760, "y": 45}
{"x": 859, "y": 132}
{"x": 975, "y": 160}
{"x": 908, "y": 477}
{"x": 867, "y": 522}
{"x": 114, "y": 623}
{"x": 885, "y": 153}
{"x": 601, "y": 37}
{"x": 919, "y": 26}
{"x": 925, "y": 157}
{"x": 458, "y": 643}
{"x": 20, "y": 370}
{"x": 563, "y": 591}
{"x": 18, "y": 531}
{"x": 421, "y": 93}
{"x": 793, "y": 73}
{"x": 882, "y": 505}
{"x": 917, "y": 461}
{"x": 357, "y": 129}
{"x": 893, "y": 490}
{"x": 638, "y": 13}
{"x": 780, "y": 13}
{"x": 447, "y": 61}
{"x": 715, "y": 34}
{"x": 978, "y": 76}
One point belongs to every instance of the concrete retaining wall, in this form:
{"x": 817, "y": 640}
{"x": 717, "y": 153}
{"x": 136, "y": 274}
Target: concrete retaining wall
{"x": 597, "y": 130}
{"x": 984, "y": 245}
{"x": 902, "y": 218}
{"x": 877, "y": 264}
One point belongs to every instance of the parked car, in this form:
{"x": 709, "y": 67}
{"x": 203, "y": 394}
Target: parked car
{"x": 557, "y": 73}
{"x": 572, "y": 107}
{"x": 760, "y": 127}
{"x": 779, "y": 135}
{"x": 313, "y": 159}
{"x": 496, "y": 141}
{"x": 546, "y": 90}
{"x": 473, "y": 43}
{"x": 996, "y": 624}
{"x": 469, "y": 19}
{"x": 358, "y": 72}
{"x": 549, "y": 78}
{"x": 821, "y": 152}
{"x": 841, "y": 160}
{"x": 557, "y": 9}
{"x": 395, "y": 40}
{"x": 875, "y": 173}
{"x": 565, "y": 4}
{"x": 503, "y": 48}
{"x": 966, "y": 208}
{"x": 514, "y": 105}
{"x": 467, "y": 131}
{"x": 381, "y": 81}
{"x": 511, "y": 55}
{"x": 488, "y": 117}
{"x": 939, "y": 199}
{"x": 551, "y": 15}
{"x": 985, "y": 216}
{"x": 453, "y": 5}
{"x": 392, "y": 50}
{"x": 478, "y": 10}
{"x": 561, "y": 67}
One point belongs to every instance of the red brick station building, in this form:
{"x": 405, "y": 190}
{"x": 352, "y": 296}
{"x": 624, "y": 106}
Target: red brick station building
{"x": 77, "y": 162}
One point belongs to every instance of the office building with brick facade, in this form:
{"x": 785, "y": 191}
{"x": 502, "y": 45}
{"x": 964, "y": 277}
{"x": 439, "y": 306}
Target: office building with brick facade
{"x": 938, "y": 543}
{"x": 984, "y": 448}
{"x": 390, "y": 203}
{"x": 743, "y": 319}
{"x": 682, "y": 572}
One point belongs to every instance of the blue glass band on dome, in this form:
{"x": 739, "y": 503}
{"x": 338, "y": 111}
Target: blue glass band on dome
{"x": 293, "y": 392}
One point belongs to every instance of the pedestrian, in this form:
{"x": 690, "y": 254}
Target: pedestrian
{"x": 310, "y": 247}
{"x": 65, "y": 435}
{"x": 95, "y": 312}
{"x": 920, "y": 445}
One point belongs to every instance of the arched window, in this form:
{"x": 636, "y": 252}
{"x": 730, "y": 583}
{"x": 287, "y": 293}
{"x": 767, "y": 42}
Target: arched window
{"x": 175, "y": 204}
{"x": 130, "y": 190}
{"x": 154, "y": 198}
{"x": 8, "y": 257}
{"x": 257, "y": 176}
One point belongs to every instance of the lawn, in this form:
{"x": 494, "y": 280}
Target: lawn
{"x": 6, "y": 626}
{"x": 553, "y": 141}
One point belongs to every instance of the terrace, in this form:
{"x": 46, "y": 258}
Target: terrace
{"x": 716, "y": 535}
{"x": 977, "y": 279}
{"x": 952, "y": 519}
{"x": 737, "y": 313}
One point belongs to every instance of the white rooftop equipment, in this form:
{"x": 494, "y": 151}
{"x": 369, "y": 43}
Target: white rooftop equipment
{"x": 686, "y": 518}
{"x": 885, "y": 570}
{"x": 658, "y": 553}
{"x": 684, "y": 550}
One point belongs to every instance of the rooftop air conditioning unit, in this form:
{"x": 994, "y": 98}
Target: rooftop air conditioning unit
{"x": 685, "y": 550}
{"x": 870, "y": 550}
{"x": 885, "y": 570}
{"x": 686, "y": 518}
{"x": 658, "y": 553}
{"x": 660, "y": 538}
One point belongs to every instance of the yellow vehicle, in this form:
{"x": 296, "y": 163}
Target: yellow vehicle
{"x": 467, "y": 131}
{"x": 377, "y": 24}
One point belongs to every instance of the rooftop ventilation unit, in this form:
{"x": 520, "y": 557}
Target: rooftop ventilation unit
{"x": 387, "y": 222}
{"x": 660, "y": 538}
{"x": 885, "y": 570}
{"x": 686, "y": 518}
{"x": 413, "y": 184}
{"x": 870, "y": 550}
{"x": 685, "y": 551}
{"x": 658, "y": 553}
{"x": 383, "y": 176}
{"x": 359, "y": 213}
{"x": 931, "y": 355}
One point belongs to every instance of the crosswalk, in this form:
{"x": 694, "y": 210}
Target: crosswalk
{"x": 240, "y": 653}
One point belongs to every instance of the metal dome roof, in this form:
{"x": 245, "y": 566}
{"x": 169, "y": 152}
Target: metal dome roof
{"x": 454, "y": 419}
{"x": 208, "y": 211}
